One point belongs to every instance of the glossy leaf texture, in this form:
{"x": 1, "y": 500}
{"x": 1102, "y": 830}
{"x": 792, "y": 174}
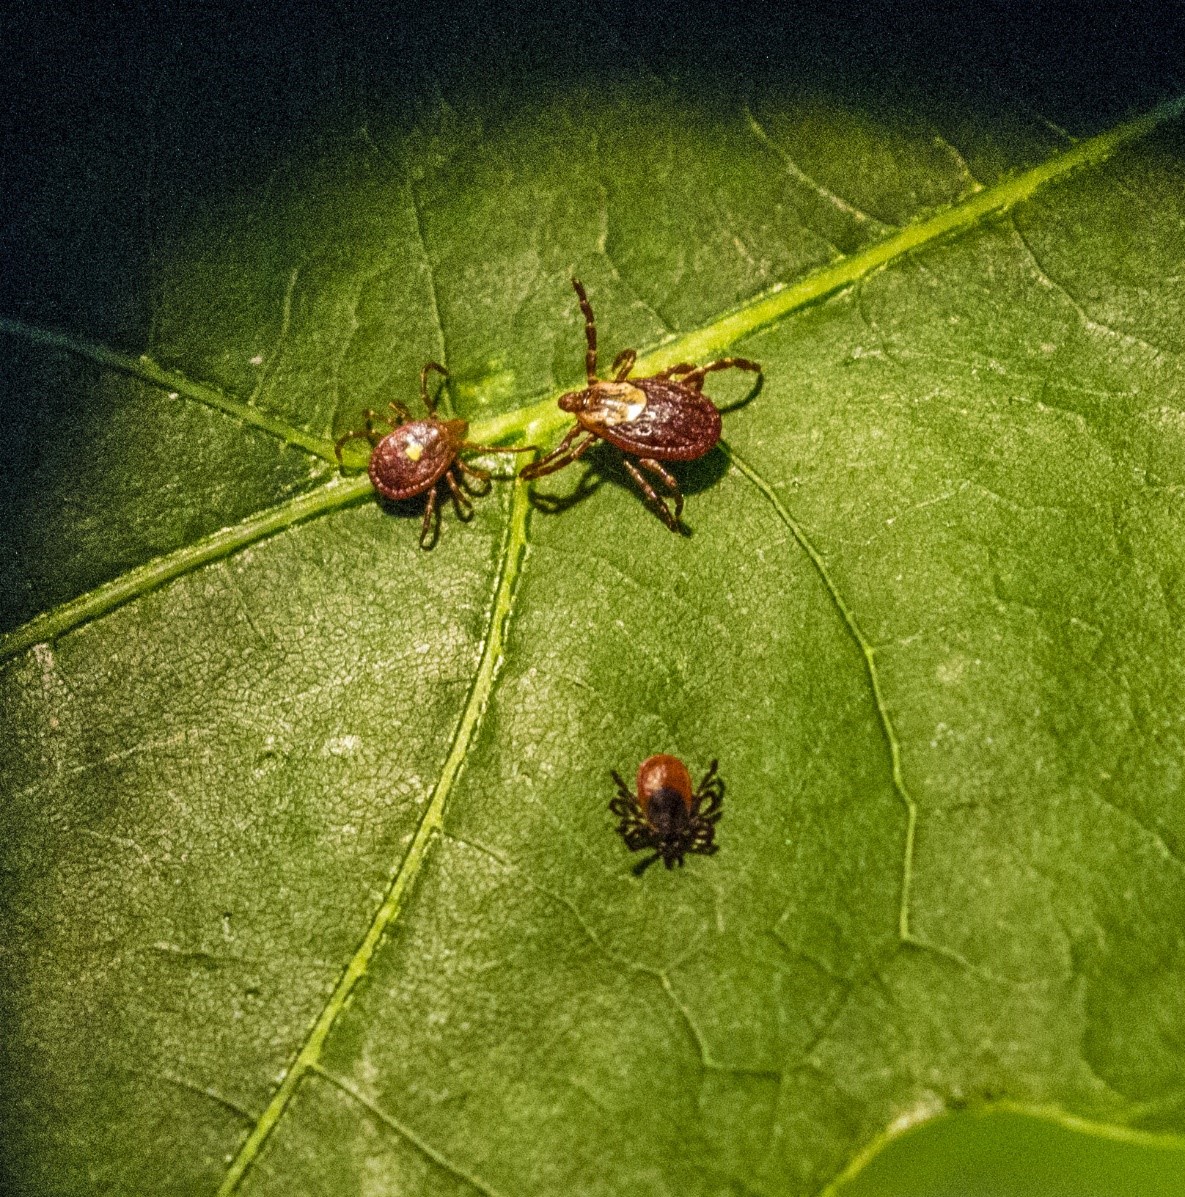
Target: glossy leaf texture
{"x": 309, "y": 879}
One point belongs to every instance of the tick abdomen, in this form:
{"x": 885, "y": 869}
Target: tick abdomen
{"x": 666, "y": 421}
{"x": 408, "y": 460}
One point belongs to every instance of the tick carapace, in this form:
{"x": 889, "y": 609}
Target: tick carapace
{"x": 663, "y": 417}
{"x": 413, "y": 456}
{"x": 665, "y": 814}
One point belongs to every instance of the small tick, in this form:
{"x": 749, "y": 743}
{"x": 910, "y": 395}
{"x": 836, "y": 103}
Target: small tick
{"x": 663, "y": 417}
{"x": 413, "y": 456}
{"x": 665, "y": 814}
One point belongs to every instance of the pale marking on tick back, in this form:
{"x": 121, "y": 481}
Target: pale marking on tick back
{"x": 618, "y": 403}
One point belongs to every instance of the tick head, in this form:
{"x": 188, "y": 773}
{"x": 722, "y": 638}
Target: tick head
{"x": 574, "y": 401}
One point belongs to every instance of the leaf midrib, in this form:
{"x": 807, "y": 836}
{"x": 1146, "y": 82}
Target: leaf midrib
{"x": 513, "y": 549}
{"x": 538, "y": 420}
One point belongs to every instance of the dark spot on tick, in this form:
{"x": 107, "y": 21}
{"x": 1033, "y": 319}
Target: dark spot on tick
{"x": 665, "y": 815}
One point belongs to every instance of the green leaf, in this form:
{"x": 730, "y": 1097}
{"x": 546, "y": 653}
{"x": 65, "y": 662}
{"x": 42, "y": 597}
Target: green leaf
{"x": 310, "y": 883}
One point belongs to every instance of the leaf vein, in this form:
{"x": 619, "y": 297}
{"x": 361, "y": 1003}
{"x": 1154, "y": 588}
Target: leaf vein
{"x": 153, "y": 574}
{"x": 800, "y": 176}
{"x": 403, "y": 1131}
{"x": 273, "y": 359}
{"x": 512, "y": 555}
{"x": 207, "y": 1091}
{"x": 1088, "y": 321}
{"x": 146, "y": 370}
{"x": 873, "y": 674}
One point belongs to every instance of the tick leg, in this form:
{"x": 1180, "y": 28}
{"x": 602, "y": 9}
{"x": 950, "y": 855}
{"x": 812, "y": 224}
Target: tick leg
{"x": 623, "y": 363}
{"x": 461, "y": 503}
{"x": 652, "y": 466}
{"x": 472, "y": 472}
{"x": 657, "y": 505}
{"x": 568, "y": 458}
{"x": 643, "y": 865}
{"x": 471, "y": 448}
{"x": 711, "y": 787}
{"x": 634, "y": 829}
{"x": 357, "y": 434}
{"x": 681, "y": 368}
{"x": 708, "y": 800}
{"x": 559, "y": 457}
{"x": 485, "y": 475}
{"x": 695, "y": 379}
{"x": 713, "y": 798}
{"x": 430, "y": 404}
{"x": 428, "y": 533}
{"x": 590, "y": 332}
{"x": 372, "y": 418}
{"x": 402, "y": 415}
{"x": 633, "y": 823}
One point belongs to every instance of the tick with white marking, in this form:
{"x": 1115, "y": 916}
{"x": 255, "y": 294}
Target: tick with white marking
{"x": 414, "y": 456}
{"x": 663, "y": 417}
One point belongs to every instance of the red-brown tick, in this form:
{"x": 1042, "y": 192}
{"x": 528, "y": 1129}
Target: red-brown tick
{"x": 664, "y": 417}
{"x": 413, "y": 456}
{"x": 665, "y": 814}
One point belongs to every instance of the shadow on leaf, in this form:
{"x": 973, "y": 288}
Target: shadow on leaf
{"x": 604, "y": 465}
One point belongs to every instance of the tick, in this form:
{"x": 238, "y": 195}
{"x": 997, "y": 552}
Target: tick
{"x": 414, "y": 456}
{"x": 663, "y": 417}
{"x": 665, "y": 814}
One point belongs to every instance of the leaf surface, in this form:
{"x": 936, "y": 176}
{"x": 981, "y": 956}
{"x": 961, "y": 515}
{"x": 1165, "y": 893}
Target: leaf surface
{"x": 310, "y": 883}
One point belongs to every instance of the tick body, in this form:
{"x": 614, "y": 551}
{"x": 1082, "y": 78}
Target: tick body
{"x": 413, "y": 456}
{"x": 663, "y": 417}
{"x": 666, "y": 814}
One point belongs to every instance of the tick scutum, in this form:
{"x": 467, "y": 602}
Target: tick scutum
{"x": 672, "y": 423}
{"x": 668, "y": 815}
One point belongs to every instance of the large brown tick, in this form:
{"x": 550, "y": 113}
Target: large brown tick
{"x": 413, "y": 456}
{"x": 665, "y": 814}
{"x": 664, "y": 417}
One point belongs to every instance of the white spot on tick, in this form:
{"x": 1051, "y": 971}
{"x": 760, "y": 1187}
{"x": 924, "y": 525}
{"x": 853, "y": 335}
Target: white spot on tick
{"x": 414, "y": 451}
{"x": 616, "y": 403}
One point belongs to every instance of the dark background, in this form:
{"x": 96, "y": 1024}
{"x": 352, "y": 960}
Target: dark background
{"x": 211, "y": 96}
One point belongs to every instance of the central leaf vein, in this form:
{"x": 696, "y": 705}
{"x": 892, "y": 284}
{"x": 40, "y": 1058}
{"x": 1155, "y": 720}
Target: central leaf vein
{"x": 511, "y": 557}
